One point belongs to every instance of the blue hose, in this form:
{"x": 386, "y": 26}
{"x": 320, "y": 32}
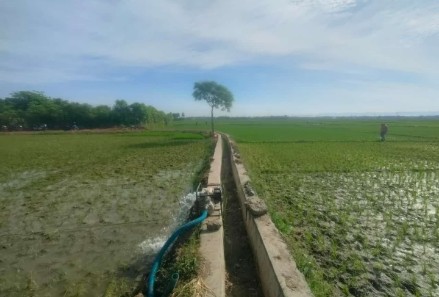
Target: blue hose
{"x": 169, "y": 242}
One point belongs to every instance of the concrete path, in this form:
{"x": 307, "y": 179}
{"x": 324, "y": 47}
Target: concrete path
{"x": 212, "y": 234}
{"x": 276, "y": 268}
{"x": 214, "y": 178}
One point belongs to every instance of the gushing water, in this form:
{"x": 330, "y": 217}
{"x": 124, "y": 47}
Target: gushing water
{"x": 153, "y": 245}
{"x": 185, "y": 203}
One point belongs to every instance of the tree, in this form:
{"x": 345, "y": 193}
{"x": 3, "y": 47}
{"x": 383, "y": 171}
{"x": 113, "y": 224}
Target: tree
{"x": 121, "y": 112}
{"x": 30, "y": 109}
{"x": 138, "y": 114}
{"x": 216, "y": 96}
{"x": 102, "y": 116}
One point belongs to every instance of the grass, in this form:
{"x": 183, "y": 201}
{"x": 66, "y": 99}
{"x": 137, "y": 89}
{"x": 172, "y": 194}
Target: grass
{"x": 359, "y": 215}
{"x": 74, "y": 207}
{"x": 184, "y": 260}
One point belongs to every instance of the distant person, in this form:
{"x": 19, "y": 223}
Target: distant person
{"x": 383, "y": 131}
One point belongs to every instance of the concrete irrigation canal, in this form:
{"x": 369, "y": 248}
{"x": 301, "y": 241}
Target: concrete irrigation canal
{"x": 243, "y": 254}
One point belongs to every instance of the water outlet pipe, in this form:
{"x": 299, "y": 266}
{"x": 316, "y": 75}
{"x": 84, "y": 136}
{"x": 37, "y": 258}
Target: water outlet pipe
{"x": 168, "y": 243}
{"x": 171, "y": 284}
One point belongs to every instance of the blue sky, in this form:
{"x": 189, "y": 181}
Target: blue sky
{"x": 278, "y": 57}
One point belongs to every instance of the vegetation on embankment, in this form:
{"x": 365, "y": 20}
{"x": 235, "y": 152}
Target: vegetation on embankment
{"x": 185, "y": 260}
{"x": 184, "y": 257}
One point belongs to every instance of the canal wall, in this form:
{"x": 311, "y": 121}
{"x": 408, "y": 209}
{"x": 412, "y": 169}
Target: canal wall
{"x": 277, "y": 270}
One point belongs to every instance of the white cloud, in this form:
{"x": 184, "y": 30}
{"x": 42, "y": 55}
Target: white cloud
{"x": 50, "y": 40}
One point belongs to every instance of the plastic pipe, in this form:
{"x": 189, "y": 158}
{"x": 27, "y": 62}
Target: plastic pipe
{"x": 168, "y": 243}
{"x": 172, "y": 282}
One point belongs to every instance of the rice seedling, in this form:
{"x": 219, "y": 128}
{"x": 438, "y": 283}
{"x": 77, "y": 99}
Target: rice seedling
{"x": 330, "y": 181}
{"x": 75, "y": 207}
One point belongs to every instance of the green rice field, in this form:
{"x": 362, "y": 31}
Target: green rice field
{"x": 360, "y": 216}
{"x": 82, "y": 213}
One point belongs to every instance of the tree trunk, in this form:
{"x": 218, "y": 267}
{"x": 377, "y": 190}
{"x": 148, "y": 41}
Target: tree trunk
{"x": 211, "y": 120}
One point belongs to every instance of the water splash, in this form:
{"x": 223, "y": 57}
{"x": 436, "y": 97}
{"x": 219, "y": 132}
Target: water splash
{"x": 185, "y": 204}
{"x": 153, "y": 245}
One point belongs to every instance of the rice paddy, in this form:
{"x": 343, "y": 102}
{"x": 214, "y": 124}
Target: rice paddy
{"x": 360, "y": 216}
{"x": 82, "y": 213}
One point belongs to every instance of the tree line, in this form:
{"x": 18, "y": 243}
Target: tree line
{"x": 33, "y": 110}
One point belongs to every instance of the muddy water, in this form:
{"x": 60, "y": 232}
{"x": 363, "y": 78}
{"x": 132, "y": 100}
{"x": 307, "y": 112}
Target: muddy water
{"x": 76, "y": 237}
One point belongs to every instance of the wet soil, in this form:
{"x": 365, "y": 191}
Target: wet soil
{"x": 82, "y": 215}
{"x": 242, "y": 274}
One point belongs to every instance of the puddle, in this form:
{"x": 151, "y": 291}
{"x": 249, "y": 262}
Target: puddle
{"x": 21, "y": 180}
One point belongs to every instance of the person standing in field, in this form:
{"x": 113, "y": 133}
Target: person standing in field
{"x": 383, "y": 131}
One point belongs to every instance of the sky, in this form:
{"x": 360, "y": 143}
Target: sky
{"x": 278, "y": 57}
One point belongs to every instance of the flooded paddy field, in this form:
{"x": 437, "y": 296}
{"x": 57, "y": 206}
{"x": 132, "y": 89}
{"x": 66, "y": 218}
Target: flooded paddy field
{"x": 360, "y": 216}
{"x": 82, "y": 214}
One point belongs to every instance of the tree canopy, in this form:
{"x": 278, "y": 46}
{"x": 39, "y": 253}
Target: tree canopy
{"x": 28, "y": 110}
{"x": 216, "y": 95}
